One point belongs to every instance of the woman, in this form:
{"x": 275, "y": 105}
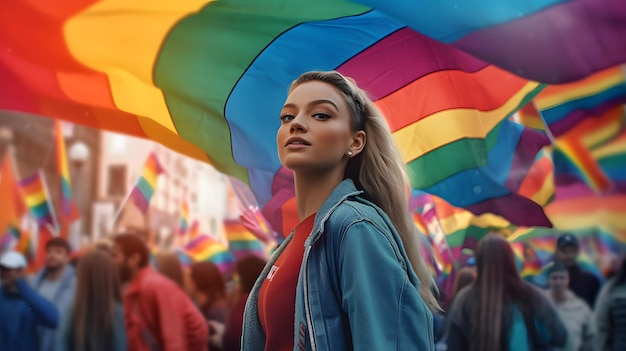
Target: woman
{"x": 350, "y": 272}
{"x": 97, "y": 319}
{"x": 499, "y": 311}
{"x": 610, "y": 313}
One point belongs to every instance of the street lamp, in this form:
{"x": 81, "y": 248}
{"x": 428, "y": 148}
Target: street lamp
{"x": 79, "y": 154}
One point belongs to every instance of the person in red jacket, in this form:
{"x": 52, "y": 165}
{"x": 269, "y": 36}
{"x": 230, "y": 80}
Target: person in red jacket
{"x": 158, "y": 313}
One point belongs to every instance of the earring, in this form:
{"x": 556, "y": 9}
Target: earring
{"x": 349, "y": 153}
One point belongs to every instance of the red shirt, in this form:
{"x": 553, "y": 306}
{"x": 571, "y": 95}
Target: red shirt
{"x": 277, "y": 297}
{"x": 156, "y": 309}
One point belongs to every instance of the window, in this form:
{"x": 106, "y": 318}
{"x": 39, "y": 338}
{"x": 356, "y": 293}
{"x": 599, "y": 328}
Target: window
{"x": 116, "y": 180}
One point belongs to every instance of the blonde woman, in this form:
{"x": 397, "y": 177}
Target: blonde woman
{"x": 350, "y": 272}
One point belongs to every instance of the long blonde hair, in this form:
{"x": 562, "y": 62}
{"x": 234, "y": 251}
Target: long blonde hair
{"x": 97, "y": 292}
{"x": 379, "y": 170}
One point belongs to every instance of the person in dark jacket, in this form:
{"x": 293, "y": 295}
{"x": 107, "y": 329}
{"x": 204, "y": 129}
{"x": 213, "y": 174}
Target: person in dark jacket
{"x": 582, "y": 283}
{"x": 610, "y": 313}
{"x": 22, "y": 310}
{"x": 500, "y": 311}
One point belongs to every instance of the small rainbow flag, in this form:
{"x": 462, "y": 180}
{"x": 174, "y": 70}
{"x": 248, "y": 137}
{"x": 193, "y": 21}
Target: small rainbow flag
{"x": 242, "y": 242}
{"x": 194, "y": 231}
{"x": 183, "y": 225}
{"x": 11, "y": 235}
{"x": 204, "y": 248}
{"x": 35, "y": 196}
{"x": 144, "y": 189}
{"x": 67, "y": 208}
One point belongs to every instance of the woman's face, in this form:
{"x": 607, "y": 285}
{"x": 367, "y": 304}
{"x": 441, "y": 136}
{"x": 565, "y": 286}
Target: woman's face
{"x": 315, "y": 132}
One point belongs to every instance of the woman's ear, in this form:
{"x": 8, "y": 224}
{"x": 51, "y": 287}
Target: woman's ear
{"x": 358, "y": 142}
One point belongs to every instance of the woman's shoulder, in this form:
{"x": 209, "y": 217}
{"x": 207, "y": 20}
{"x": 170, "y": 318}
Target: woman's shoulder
{"x": 353, "y": 210}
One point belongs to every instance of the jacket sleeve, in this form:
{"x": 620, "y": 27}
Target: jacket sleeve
{"x": 603, "y": 324}
{"x": 376, "y": 290}
{"x": 47, "y": 314}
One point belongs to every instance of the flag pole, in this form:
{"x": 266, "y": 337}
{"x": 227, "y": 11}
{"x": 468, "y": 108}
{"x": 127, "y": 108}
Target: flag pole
{"x": 49, "y": 202}
{"x": 117, "y": 214}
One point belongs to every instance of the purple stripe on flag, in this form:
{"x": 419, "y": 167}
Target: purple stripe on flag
{"x": 568, "y": 122}
{"x": 139, "y": 199}
{"x": 560, "y": 44}
{"x": 407, "y": 48}
{"x": 529, "y": 145}
{"x": 515, "y": 208}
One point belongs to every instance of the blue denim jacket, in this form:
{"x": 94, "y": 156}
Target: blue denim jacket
{"x": 356, "y": 288}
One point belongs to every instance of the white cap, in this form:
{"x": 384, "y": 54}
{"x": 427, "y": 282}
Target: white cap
{"x": 13, "y": 260}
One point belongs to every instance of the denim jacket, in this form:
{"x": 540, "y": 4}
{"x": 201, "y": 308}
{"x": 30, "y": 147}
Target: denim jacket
{"x": 356, "y": 288}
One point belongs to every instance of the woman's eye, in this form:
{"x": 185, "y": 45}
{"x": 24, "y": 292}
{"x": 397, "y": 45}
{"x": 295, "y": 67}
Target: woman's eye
{"x": 321, "y": 115}
{"x": 286, "y": 118}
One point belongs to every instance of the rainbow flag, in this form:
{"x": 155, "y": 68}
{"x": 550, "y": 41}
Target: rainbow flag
{"x": 67, "y": 209}
{"x": 194, "y": 231}
{"x": 241, "y": 242}
{"x": 9, "y": 238}
{"x": 12, "y": 207}
{"x": 204, "y": 248}
{"x": 255, "y": 223}
{"x": 183, "y": 225}
{"x": 144, "y": 188}
{"x": 189, "y": 76}
{"x": 36, "y": 198}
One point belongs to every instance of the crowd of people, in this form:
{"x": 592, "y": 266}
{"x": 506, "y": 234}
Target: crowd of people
{"x": 115, "y": 296}
{"x": 350, "y": 276}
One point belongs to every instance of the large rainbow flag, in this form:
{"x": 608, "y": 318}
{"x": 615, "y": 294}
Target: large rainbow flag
{"x": 144, "y": 188}
{"x": 36, "y": 198}
{"x": 207, "y": 78}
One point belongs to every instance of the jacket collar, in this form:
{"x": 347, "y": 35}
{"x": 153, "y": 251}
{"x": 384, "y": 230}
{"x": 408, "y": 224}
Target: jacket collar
{"x": 341, "y": 192}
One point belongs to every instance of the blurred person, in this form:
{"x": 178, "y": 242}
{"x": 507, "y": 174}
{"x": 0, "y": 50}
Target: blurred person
{"x": 208, "y": 290}
{"x": 96, "y": 320}
{"x": 158, "y": 313}
{"x": 610, "y": 313}
{"x": 57, "y": 283}
{"x": 463, "y": 278}
{"x": 22, "y": 309}
{"x": 466, "y": 276}
{"x": 574, "y": 312}
{"x": 168, "y": 264}
{"x": 351, "y": 274}
{"x": 582, "y": 283}
{"x": 499, "y": 311}
{"x": 248, "y": 270}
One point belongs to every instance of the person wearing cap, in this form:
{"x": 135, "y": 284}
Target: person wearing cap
{"x": 574, "y": 312}
{"x": 582, "y": 283}
{"x": 22, "y": 309}
{"x": 57, "y": 283}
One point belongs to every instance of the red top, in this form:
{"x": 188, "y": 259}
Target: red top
{"x": 277, "y": 297}
{"x": 157, "y": 311}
